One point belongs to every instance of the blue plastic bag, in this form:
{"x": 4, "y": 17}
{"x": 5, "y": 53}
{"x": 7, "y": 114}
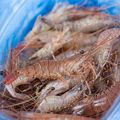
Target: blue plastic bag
{"x": 114, "y": 112}
{"x": 17, "y": 19}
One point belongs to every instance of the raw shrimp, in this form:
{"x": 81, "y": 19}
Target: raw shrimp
{"x": 48, "y": 69}
{"x": 53, "y": 46}
{"x": 69, "y": 13}
{"x": 76, "y": 41}
{"x": 60, "y": 12}
{"x": 87, "y": 24}
{"x": 58, "y": 87}
{"x": 57, "y": 16}
{"x": 103, "y": 54}
{"x": 58, "y": 103}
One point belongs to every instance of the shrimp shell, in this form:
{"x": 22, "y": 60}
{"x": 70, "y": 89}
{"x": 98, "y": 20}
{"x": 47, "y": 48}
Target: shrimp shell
{"x": 60, "y": 86}
{"x": 86, "y": 25}
{"x": 104, "y": 53}
{"x": 76, "y": 41}
{"x": 53, "y": 46}
{"x": 58, "y": 103}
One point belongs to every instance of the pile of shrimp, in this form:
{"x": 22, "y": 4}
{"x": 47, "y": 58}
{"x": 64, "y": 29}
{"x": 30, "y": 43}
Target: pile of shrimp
{"x": 68, "y": 67}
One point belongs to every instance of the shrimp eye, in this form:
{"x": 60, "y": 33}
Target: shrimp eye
{"x": 17, "y": 72}
{"x": 38, "y": 40}
{"x": 82, "y": 51}
{"x": 52, "y": 88}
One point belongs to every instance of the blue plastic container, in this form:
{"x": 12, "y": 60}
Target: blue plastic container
{"x": 18, "y": 16}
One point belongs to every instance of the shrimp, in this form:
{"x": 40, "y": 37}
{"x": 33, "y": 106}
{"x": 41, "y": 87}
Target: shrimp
{"x": 103, "y": 55}
{"x": 86, "y": 25}
{"x": 60, "y": 12}
{"x": 47, "y": 69}
{"x": 69, "y": 13}
{"x": 76, "y": 41}
{"x": 57, "y": 16}
{"x": 53, "y": 88}
{"x": 52, "y": 46}
{"x": 58, "y": 87}
{"x": 58, "y": 103}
